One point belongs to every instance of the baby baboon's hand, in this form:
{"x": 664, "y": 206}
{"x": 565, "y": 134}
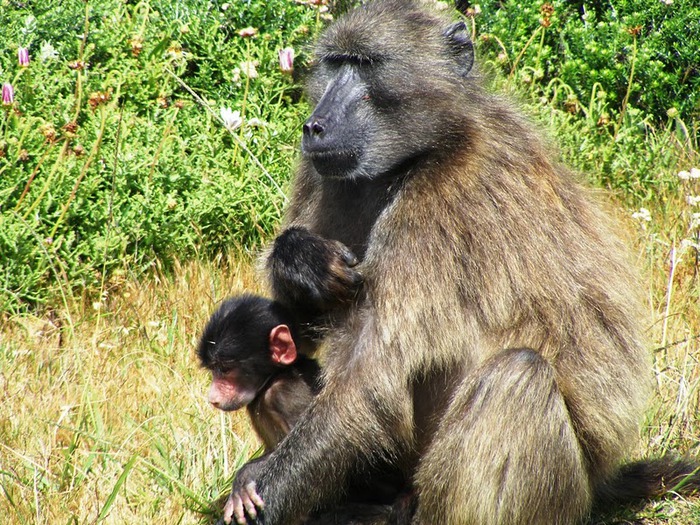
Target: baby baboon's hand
{"x": 244, "y": 505}
{"x": 312, "y": 272}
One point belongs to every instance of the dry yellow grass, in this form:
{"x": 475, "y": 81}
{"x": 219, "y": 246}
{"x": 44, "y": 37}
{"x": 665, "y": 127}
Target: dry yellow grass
{"x": 672, "y": 268}
{"x": 114, "y": 387}
{"x": 104, "y": 416}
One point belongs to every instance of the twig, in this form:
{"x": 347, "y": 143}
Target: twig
{"x": 675, "y": 343}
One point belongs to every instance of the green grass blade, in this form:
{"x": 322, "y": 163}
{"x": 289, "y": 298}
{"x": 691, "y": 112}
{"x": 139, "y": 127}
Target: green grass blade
{"x": 122, "y": 478}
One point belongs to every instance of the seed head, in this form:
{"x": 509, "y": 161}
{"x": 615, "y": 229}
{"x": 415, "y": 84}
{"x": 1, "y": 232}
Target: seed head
{"x": 136, "y": 43}
{"x": 70, "y": 128}
{"x": 546, "y": 10}
{"x": 247, "y": 32}
{"x": 48, "y": 131}
{"x": 248, "y": 69}
{"x": 77, "y": 65}
{"x": 97, "y": 98}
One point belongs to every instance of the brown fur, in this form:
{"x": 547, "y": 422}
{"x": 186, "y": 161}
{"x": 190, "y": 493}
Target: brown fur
{"x": 279, "y": 405}
{"x": 495, "y": 291}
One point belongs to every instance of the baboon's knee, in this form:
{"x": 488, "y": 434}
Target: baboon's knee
{"x": 506, "y": 451}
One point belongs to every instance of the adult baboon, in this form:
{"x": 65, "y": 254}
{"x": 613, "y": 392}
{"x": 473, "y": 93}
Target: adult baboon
{"x": 494, "y": 351}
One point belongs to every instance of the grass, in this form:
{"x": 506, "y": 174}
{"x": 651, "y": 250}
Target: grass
{"x": 105, "y": 416}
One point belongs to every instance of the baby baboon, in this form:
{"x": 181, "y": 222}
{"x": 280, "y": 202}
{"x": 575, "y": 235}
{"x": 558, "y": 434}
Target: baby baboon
{"x": 249, "y": 347}
{"x": 495, "y": 350}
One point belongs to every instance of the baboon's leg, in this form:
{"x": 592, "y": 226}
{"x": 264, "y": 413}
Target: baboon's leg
{"x": 505, "y": 452}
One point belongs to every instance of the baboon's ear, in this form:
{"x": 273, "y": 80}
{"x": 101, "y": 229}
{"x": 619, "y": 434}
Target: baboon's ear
{"x": 282, "y": 348}
{"x": 461, "y": 47}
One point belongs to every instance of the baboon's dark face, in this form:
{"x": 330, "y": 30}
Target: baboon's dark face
{"x": 386, "y": 89}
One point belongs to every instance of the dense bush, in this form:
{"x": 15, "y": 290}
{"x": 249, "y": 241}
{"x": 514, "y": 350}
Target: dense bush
{"x": 112, "y": 154}
{"x": 645, "y": 53}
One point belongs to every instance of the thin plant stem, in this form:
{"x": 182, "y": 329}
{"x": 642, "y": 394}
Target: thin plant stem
{"x": 161, "y": 144}
{"x": 623, "y": 107}
{"x": 522, "y": 51}
{"x": 42, "y": 247}
{"x": 538, "y": 61}
{"x": 81, "y": 59}
{"x": 244, "y": 101}
{"x": 110, "y": 212}
{"x": 669, "y": 294}
{"x": 500, "y": 44}
{"x": 32, "y": 176}
{"x": 594, "y": 95}
{"x": 49, "y": 179}
{"x": 223, "y": 429}
{"x": 83, "y": 172}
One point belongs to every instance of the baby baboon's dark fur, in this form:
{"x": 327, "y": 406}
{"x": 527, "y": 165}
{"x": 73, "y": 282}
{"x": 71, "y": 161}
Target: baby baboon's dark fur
{"x": 495, "y": 350}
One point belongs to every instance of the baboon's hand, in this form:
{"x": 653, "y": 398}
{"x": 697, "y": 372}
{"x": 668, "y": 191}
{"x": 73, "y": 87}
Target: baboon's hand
{"x": 309, "y": 271}
{"x": 244, "y": 505}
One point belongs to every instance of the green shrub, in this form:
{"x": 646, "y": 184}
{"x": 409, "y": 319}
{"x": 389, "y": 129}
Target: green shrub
{"x": 645, "y": 53}
{"x": 113, "y": 155}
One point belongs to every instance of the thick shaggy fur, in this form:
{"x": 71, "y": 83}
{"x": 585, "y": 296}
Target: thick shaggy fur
{"x": 495, "y": 351}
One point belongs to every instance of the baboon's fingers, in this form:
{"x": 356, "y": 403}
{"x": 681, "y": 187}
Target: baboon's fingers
{"x": 254, "y": 496}
{"x": 228, "y": 510}
{"x": 251, "y": 500}
{"x": 234, "y": 509}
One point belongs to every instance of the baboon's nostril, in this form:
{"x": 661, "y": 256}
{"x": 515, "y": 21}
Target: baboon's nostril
{"x": 313, "y": 127}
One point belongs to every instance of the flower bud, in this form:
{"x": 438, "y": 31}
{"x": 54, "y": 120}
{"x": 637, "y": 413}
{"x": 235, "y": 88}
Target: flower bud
{"x": 286, "y": 56}
{"x": 23, "y": 56}
{"x": 8, "y": 94}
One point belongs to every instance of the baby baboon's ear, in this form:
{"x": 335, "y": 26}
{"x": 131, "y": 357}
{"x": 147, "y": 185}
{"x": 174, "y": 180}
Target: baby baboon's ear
{"x": 282, "y": 348}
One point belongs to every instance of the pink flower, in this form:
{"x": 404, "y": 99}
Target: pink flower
{"x": 8, "y": 94}
{"x": 286, "y": 60}
{"x": 23, "y": 56}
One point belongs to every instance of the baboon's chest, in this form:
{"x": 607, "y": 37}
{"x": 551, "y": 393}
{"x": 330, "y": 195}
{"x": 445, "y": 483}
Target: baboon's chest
{"x": 348, "y": 211}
